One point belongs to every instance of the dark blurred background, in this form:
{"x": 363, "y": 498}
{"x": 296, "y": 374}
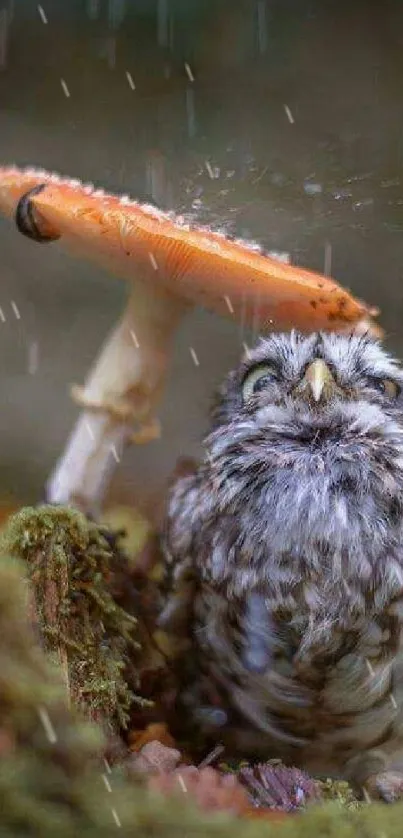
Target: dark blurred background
{"x": 279, "y": 120}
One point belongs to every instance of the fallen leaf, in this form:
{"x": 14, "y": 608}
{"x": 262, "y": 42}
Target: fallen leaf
{"x": 155, "y": 732}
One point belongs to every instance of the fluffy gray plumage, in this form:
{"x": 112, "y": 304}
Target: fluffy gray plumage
{"x": 285, "y": 559}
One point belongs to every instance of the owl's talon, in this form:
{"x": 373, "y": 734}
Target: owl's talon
{"x": 386, "y": 786}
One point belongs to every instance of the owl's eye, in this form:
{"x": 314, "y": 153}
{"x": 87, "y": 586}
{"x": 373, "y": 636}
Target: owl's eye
{"x": 386, "y": 386}
{"x": 257, "y": 379}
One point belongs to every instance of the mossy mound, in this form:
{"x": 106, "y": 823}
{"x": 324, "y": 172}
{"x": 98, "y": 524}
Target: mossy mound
{"x": 70, "y": 565}
{"x": 53, "y": 780}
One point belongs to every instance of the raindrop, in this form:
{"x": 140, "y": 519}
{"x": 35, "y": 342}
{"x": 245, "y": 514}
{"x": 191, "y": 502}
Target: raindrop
{"x": 130, "y": 80}
{"x": 393, "y": 701}
{"x": 116, "y": 13}
{"x": 327, "y": 270}
{"x": 107, "y": 783}
{"x": 341, "y": 194}
{"x": 369, "y": 667}
{"x": 189, "y": 72}
{"x": 313, "y": 188}
{"x": 171, "y": 32}
{"x": 11, "y": 9}
{"x": 42, "y": 14}
{"x": 359, "y": 205}
{"x": 93, "y": 9}
{"x": 280, "y": 256}
{"x": 156, "y": 179}
{"x": 15, "y": 310}
{"x": 162, "y": 22}
{"x": 153, "y": 261}
{"x": 110, "y": 52}
{"x": 33, "y": 357}
{"x": 262, "y": 25}
{"x": 47, "y": 725}
{"x": 90, "y": 431}
{"x": 134, "y": 338}
{"x": 4, "y": 30}
{"x": 190, "y": 111}
{"x": 116, "y": 817}
{"x": 181, "y": 783}
{"x": 242, "y": 323}
{"x": 367, "y": 797}
{"x": 289, "y": 114}
{"x": 107, "y": 50}
{"x": 229, "y": 304}
{"x": 256, "y": 317}
{"x": 65, "y": 88}
{"x": 115, "y": 454}
{"x": 194, "y": 357}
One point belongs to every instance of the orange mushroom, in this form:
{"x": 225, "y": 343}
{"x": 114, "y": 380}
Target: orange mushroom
{"x": 171, "y": 266}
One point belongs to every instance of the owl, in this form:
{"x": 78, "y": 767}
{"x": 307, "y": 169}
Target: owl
{"x": 284, "y": 561}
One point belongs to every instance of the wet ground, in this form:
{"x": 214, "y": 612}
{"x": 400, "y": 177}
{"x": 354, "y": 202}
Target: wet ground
{"x": 281, "y": 121}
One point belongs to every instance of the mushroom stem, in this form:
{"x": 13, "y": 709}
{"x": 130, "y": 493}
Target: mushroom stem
{"x": 119, "y": 398}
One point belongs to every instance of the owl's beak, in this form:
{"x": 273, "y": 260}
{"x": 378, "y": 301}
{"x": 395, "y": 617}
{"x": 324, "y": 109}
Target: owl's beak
{"x": 318, "y": 380}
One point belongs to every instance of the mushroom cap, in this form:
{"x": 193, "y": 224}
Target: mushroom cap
{"x": 138, "y": 241}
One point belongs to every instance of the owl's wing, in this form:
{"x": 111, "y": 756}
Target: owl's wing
{"x": 188, "y": 507}
{"x": 179, "y": 579}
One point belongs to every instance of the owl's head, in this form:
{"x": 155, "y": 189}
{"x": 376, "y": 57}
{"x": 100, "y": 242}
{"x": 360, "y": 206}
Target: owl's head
{"x": 314, "y": 385}
{"x": 305, "y": 417}
{"x": 304, "y": 459}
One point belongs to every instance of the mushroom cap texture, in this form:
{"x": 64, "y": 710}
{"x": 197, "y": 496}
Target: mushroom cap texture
{"x": 138, "y": 241}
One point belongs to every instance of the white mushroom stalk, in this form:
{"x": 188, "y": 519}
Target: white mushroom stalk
{"x": 170, "y": 266}
{"x": 119, "y": 399}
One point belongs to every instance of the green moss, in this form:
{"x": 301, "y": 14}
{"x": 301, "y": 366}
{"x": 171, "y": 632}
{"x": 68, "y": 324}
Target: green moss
{"x": 340, "y": 791}
{"x": 53, "y": 781}
{"x": 70, "y": 565}
{"x": 44, "y": 751}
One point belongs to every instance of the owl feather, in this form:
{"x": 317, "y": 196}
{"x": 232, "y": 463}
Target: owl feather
{"x": 284, "y": 559}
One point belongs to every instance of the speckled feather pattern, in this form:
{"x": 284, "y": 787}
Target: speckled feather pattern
{"x": 285, "y": 554}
